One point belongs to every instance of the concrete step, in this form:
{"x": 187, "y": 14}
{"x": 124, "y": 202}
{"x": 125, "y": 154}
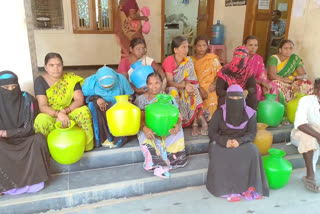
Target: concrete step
{"x": 90, "y": 186}
{"x": 130, "y": 153}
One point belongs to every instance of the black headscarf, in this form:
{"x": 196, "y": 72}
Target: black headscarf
{"x": 11, "y": 102}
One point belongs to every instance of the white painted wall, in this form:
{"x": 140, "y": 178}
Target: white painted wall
{"x": 233, "y": 20}
{"x": 15, "y": 54}
{"x": 93, "y": 49}
{"x": 305, "y": 33}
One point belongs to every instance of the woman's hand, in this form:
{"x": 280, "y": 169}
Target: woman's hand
{"x": 190, "y": 89}
{"x": 175, "y": 130}
{"x": 148, "y": 133}
{"x": 267, "y": 85}
{"x": 212, "y": 87}
{"x": 145, "y": 18}
{"x": 229, "y": 144}
{"x": 287, "y": 80}
{"x": 235, "y": 143}
{"x": 102, "y": 104}
{"x": 203, "y": 93}
{"x": 3, "y": 133}
{"x": 64, "y": 119}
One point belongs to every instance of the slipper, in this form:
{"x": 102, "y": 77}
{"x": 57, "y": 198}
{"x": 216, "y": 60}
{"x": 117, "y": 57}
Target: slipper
{"x": 193, "y": 134}
{"x": 108, "y": 143}
{"x": 204, "y": 129}
{"x": 310, "y": 184}
{"x": 162, "y": 172}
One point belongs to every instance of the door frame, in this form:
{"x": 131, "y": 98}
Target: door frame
{"x": 210, "y": 22}
{"x": 250, "y": 19}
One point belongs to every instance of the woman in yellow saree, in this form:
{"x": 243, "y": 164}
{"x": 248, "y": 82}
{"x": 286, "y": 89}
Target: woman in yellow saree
{"x": 206, "y": 66}
{"x": 286, "y": 70}
{"x": 61, "y": 99}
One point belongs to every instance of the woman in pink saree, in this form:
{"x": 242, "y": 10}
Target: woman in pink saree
{"x": 255, "y": 62}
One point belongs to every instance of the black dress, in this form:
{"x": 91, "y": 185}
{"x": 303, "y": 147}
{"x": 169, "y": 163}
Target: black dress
{"x": 234, "y": 170}
{"x": 24, "y": 156}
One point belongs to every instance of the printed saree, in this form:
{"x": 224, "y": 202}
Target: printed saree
{"x": 206, "y": 69}
{"x": 188, "y": 105}
{"x": 60, "y": 95}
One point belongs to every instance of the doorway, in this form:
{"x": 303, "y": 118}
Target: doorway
{"x": 269, "y": 21}
{"x": 181, "y": 18}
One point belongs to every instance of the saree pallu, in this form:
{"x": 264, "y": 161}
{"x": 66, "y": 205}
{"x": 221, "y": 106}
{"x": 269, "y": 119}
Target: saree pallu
{"x": 188, "y": 105}
{"x": 288, "y": 68}
{"x": 163, "y": 153}
{"x": 206, "y": 69}
{"x": 60, "y": 95}
{"x": 127, "y": 29}
{"x": 260, "y": 74}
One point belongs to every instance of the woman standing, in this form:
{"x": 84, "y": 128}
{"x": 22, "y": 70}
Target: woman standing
{"x": 138, "y": 50}
{"x": 206, "y": 66}
{"x": 286, "y": 70}
{"x": 237, "y": 72}
{"x": 161, "y": 153}
{"x": 235, "y": 165}
{"x": 60, "y": 99}
{"x": 24, "y": 156}
{"x": 100, "y": 90}
{"x": 255, "y": 63}
{"x": 184, "y": 86}
{"x": 128, "y": 24}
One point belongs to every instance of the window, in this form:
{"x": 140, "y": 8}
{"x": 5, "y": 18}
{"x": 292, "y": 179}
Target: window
{"x": 93, "y": 16}
{"x": 47, "y": 14}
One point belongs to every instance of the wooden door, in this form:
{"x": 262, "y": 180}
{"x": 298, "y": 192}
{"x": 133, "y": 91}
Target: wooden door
{"x": 258, "y": 23}
{"x": 205, "y": 17}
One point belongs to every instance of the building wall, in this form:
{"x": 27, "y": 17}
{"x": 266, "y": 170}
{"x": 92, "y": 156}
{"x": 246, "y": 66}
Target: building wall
{"x": 15, "y": 54}
{"x": 305, "y": 33}
{"x": 93, "y": 49}
{"x": 233, "y": 20}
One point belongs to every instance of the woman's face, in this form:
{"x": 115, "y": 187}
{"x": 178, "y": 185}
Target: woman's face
{"x": 201, "y": 47}
{"x": 10, "y": 87}
{"x": 252, "y": 46}
{"x": 54, "y": 68}
{"x": 182, "y": 50}
{"x": 286, "y": 50}
{"x": 138, "y": 51}
{"x": 154, "y": 85}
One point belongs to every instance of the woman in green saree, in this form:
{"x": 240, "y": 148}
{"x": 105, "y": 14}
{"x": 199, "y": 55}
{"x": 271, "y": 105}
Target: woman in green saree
{"x": 61, "y": 99}
{"x": 286, "y": 70}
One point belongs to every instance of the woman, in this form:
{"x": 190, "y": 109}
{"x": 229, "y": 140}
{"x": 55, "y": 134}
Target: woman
{"x": 184, "y": 86}
{"x": 24, "y": 156}
{"x": 161, "y": 153}
{"x": 206, "y": 66}
{"x": 235, "y": 165}
{"x": 286, "y": 70}
{"x": 60, "y": 99}
{"x": 100, "y": 90}
{"x": 237, "y": 72}
{"x": 138, "y": 53}
{"x": 255, "y": 63}
{"x": 128, "y": 24}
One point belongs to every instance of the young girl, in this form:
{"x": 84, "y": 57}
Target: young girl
{"x": 138, "y": 52}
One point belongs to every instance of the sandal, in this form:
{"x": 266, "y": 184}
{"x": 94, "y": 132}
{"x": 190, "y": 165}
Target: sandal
{"x": 204, "y": 129}
{"x": 310, "y": 184}
{"x": 195, "y": 130}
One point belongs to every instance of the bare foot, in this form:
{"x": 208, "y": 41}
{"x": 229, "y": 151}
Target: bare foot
{"x": 204, "y": 129}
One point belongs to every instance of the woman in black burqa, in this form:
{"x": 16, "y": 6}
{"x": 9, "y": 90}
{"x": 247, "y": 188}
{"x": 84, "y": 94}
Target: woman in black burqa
{"x": 23, "y": 154}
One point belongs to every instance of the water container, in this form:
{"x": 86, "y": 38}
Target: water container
{"x": 217, "y": 34}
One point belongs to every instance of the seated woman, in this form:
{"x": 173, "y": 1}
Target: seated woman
{"x": 100, "y": 90}
{"x": 235, "y": 165}
{"x": 237, "y": 72}
{"x": 60, "y": 99}
{"x": 24, "y": 156}
{"x": 255, "y": 63}
{"x": 138, "y": 52}
{"x": 184, "y": 86}
{"x": 206, "y": 66}
{"x": 161, "y": 153}
{"x": 287, "y": 71}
